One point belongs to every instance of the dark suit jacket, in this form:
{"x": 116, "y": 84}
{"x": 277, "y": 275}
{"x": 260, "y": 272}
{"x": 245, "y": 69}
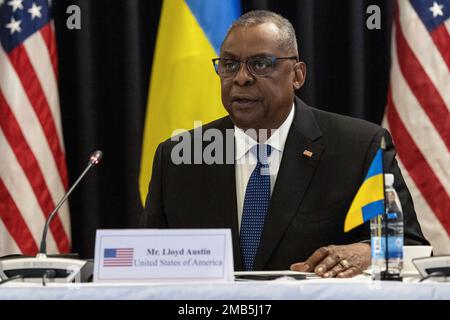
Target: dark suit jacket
{"x": 310, "y": 198}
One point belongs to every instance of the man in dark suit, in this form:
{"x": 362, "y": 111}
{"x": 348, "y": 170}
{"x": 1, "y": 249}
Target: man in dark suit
{"x": 286, "y": 209}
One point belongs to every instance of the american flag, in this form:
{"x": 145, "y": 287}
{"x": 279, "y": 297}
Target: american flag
{"x": 118, "y": 257}
{"x": 33, "y": 175}
{"x": 418, "y": 110}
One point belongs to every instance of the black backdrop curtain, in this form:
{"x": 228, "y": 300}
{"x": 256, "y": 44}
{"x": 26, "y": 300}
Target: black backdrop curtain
{"x": 104, "y": 72}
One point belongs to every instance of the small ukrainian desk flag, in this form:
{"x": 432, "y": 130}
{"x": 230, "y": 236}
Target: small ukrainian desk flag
{"x": 369, "y": 200}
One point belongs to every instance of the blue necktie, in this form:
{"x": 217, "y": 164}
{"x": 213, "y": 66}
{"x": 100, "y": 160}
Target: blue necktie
{"x": 256, "y": 204}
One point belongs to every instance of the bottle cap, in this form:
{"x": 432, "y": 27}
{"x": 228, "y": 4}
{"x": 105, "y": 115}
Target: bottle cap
{"x": 389, "y": 179}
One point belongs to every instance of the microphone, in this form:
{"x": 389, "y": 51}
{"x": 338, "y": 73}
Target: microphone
{"x": 93, "y": 160}
{"x": 41, "y": 267}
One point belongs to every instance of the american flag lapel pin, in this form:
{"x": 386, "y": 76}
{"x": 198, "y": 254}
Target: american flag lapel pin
{"x": 308, "y": 153}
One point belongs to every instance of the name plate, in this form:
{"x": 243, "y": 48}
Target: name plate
{"x": 136, "y": 255}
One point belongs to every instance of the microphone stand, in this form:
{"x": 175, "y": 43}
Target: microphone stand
{"x": 93, "y": 160}
{"x": 41, "y": 267}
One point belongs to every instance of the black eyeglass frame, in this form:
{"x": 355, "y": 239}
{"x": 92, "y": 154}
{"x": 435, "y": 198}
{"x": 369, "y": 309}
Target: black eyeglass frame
{"x": 273, "y": 61}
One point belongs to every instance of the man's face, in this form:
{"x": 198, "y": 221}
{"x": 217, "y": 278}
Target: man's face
{"x": 261, "y": 102}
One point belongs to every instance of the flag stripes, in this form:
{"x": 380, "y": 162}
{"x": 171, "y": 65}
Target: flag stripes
{"x": 429, "y": 222}
{"x": 15, "y": 223}
{"x": 43, "y": 66}
{"x": 31, "y": 168}
{"x": 418, "y": 110}
{"x": 418, "y": 167}
{"x": 437, "y": 154}
{"x": 33, "y": 89}
{"x": 18, "y": 187}
{"x": 33, "y": 173}
{"x": 422, "y": 87}
{"x": 48, "y": 35}
{"x": 424, "y": 50}
{"x": 441, "y": 39}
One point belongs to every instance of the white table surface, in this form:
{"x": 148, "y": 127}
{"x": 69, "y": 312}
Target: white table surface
{"x": 358, "y": 288}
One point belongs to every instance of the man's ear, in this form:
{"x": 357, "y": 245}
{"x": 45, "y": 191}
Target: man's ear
{"x": 299, "y": 75}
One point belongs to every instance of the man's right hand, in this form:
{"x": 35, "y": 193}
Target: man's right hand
{"x": 344, "y": 261}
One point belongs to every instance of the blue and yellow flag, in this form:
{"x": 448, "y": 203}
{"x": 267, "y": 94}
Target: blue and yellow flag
{"x": 184, "y": 87}
{"x": 369, "y": 200}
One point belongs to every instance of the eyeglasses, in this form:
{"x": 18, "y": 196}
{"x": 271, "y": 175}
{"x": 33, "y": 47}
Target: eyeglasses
{"x": 257, "y": 66}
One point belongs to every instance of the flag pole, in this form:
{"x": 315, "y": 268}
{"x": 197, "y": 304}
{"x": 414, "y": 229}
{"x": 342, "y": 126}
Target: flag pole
{"x": 384, "y": 274}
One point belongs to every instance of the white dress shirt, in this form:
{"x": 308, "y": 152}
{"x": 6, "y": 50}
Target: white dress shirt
{"x": 245, "y": 161}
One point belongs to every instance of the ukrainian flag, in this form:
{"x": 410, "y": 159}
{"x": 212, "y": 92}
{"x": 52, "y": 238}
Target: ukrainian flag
{"x": 183, "y": 86}
{"x": 369, "y": 201}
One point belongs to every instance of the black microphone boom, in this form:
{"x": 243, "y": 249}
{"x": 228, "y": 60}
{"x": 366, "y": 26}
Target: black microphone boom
{"x": 93, "y": 160}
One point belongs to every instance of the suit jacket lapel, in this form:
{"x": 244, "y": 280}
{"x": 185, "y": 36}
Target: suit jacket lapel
{"x": 294, "y": 175}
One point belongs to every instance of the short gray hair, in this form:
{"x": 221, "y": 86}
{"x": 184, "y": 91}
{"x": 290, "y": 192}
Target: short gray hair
{"x": 287, "y": 38}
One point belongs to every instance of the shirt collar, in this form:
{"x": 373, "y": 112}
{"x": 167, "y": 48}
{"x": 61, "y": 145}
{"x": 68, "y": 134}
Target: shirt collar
{"x": 277, "y": 140}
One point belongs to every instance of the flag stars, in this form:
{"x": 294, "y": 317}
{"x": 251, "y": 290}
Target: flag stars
{"x": 35, "y": 11}
{"x": 14, "y": 26}
{"x": 16, "y": 4}
{"x": 436, "y": 9}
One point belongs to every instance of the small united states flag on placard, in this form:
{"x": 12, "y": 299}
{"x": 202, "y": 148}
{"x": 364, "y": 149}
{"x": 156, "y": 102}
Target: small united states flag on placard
{"x": 118, "y": 257}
